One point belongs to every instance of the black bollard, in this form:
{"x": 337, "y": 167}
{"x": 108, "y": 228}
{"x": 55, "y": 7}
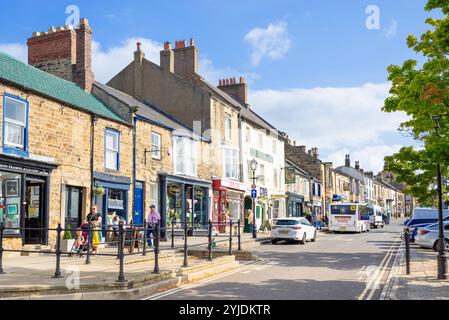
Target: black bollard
{"x": 209, "y": 247}
{"x": 186, "y": 263}
{"x": 58, "y": 253}
{"x": 156, "y": 247}
{"x": 88, "y": 244}
{"x": 173, "y": 233}
{"x": 239, "y": 235}
{"x": 121, "y": 276}
{"x": 230, "y": 238}
{"x": 145, "y": 230}
{"x": 407, "y": 251}
{"x": 2, "y": 228}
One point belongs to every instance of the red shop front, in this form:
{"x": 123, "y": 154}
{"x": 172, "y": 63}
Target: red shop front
{"x": 229, "y": 197}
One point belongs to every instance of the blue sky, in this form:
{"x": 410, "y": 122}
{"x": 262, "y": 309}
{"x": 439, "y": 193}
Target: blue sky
{"x": 319, "y": 54}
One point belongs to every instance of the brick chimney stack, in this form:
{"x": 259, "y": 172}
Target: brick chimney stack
{"x": 357, "y": 165}
{"x": 168, "y": 58}
{"x": 348, "y": 161}
{"x": 237, "y": 90}
{"x": 65, "y": 53}
{"x": 186, "y": 59}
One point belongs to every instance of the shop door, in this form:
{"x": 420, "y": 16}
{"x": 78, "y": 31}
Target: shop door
{"x": 74, "y": 200}
{"x": 248, "y": 206}
{"x": 138, "y": 204}
{"x": 35, "y": 218}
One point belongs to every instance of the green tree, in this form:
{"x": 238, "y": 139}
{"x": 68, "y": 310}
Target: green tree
{"x": 423, "y": 93}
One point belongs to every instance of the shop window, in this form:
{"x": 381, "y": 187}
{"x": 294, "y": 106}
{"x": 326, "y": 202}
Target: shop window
{"x": 156, "y": 146}
{"x": 185, "y": 156}
{"x": 154, "y": 194}
{"x": 116, "y": 203}
{"x": 174, "y": 205}
{"x": 15, "y": 129}
{"x": 10, "y": 208}
{"x": 112, "y": 149}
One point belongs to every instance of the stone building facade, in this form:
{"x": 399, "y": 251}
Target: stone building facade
{"x": 48, "y": 127}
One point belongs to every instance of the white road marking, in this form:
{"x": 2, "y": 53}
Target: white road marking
{"x": 247, "y": 266}
{"x": 383, "y": 266}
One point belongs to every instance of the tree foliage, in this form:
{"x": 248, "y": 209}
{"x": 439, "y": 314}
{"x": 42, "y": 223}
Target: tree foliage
{"x": 422, "y": 92}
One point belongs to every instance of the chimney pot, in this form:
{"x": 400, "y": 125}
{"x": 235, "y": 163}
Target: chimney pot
{"x": 139, "y": 46}
{"x": 242, "y": 80}
{"x": 167, "y": 45}
{"x": 52, "y": 29}
{"x": 192, "y": 42}
{"x": 184, "y": 43}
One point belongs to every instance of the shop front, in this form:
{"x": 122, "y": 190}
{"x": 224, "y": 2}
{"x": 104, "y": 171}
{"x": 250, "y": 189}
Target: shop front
{"x": 24, "y": 199}
{"x": 228, "y": 200}
{"x": 183, "y": 200}
{"x": 295, "y": 205}
{"x": 115, "y": 198}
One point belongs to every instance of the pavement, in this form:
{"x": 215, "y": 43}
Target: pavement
{"x": 422, "y": 283}
{"x": 32, "y": 276}
{"x": 337, "y": 266}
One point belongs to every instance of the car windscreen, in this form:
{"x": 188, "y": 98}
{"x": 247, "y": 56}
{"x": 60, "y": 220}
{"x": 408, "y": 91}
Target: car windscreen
{"x": 344, "y": 210}
{"x": 286, "y": 222}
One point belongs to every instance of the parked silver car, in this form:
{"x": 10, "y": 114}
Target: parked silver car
{"x": 427, "y": 237}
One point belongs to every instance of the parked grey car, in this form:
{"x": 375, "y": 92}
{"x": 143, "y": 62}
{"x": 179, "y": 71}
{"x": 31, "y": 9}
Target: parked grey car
{"x": 427, "y": 237}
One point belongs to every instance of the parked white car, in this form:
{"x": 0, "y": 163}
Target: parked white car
{"x": 427, "y": 237}
{"x": 293, "y": 229}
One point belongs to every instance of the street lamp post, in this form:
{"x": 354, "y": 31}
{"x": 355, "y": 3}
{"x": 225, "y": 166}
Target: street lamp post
{"x": 442, "y": 258}
{"x": 254, "y": 165}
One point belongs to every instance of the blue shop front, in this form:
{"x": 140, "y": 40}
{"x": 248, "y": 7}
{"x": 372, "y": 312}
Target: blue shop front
{"x": 115, "y": 199}
{"x": 184, "y": 199}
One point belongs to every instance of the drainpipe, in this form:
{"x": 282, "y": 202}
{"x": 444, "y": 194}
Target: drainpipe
{"x": 92, "y": 154}
{"x": 242, "y": 179}
{"x": 134, "y": 168}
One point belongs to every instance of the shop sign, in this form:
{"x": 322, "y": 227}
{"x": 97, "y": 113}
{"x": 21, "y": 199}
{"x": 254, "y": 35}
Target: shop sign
{"x": 199, "y": 193}
{"x": 233, "y": 185}
{"x": 21, "y": 169}
{"x": 263, "y": 192}
{"x": 115, "y": 204}
{"x": 174, "y": 189}
{"x": 290, "y": 176}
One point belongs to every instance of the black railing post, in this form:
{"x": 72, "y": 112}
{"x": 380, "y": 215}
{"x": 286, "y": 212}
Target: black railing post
{"x": 230, "y": 237}
{"x": 145, "y": 230}
{"x": 209, "y": 247}
{"x": 88, "y": 243}
{"x": 173, "y": 233}
{"x": 121, "y": 276}
{"x": 156, "y": 232}
{"x": 186, "y": 263}
{"x": 239, "y": 236}
{"x": 407, "y": 251}
{"x": 58, "y": 252}
{"x": 2, "y": 228}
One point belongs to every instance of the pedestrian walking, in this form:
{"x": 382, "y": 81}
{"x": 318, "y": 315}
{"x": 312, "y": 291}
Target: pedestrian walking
{"x": 153, "y": 218}
{"x": 250, "y": 220}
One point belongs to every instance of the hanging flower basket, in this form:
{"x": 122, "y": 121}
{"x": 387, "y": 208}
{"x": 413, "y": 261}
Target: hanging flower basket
{"x": 98, "y": 191}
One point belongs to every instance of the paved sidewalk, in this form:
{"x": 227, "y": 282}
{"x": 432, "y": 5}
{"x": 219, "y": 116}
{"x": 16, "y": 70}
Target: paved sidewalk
{"x": 422, "y": 283}
{"x": 28, "y": 275}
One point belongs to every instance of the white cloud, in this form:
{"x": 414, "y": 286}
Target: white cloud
{"x": 331, "y": 119}
{"x": 391, "y": 30}
{"x": 17, "y": 50}
{"x": 107, "y": 63}
{"x": 370, "y": 157}
{"x": 272, "y": 42}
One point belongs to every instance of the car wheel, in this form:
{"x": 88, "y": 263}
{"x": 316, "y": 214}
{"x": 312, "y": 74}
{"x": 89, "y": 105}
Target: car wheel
{"x": 314, "y": 237}
{"x": 304, "y": 239}
{"x": 274, "y": 241}
{"x": 446, "y": 245}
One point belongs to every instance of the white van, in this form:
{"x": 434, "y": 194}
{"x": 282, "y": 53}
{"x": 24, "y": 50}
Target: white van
{"x": 376, "y": 217}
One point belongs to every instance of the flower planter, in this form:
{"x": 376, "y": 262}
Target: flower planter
{"x": 67, "y": 245}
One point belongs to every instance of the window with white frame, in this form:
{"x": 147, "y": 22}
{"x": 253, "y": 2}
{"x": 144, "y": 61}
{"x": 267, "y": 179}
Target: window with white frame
{"x": 231, "y": 163}
{"x": 276, "y": 179}
{"x": 297, "y": 184}
{"x": 15, "y": 117}
{"x": 260, "y": 139}
{"x": 274, "y": 146}
{"x": 248, "y": 134}
{"x": 156, "y": 145}
{"x": 262, "y": 174}
{"x": 112, "y": 152}
{"x": 228, "y": 127}
{"x": 154, "y": 194}
{"x": 184, "y": 156}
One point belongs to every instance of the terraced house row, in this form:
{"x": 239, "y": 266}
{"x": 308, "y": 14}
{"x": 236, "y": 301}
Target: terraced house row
{"x": 156, "y": 133}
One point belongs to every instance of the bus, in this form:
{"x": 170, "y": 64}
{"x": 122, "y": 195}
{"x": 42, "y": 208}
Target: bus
{"x": 349, "y": 217}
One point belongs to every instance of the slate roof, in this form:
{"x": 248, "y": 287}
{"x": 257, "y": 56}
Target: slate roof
{"x": 352, "y": 173}
{"x": 146, "y": 110}
{"x": 45, "y": 84}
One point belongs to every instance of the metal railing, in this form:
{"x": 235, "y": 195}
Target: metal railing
{"x": 128, "y": 235}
